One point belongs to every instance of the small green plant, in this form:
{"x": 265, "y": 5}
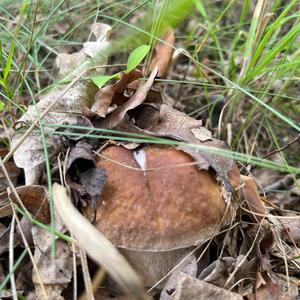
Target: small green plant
{"x": 134, "y": 59}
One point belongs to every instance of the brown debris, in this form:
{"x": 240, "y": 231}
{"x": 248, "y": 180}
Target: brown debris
{"x": 35, "y": 199}
{"x": 138, "y": 98}
{"x": 189, "y": 288}
{"x": 82, "y": 175}
{"x": 162, "y": 54}
{"x": 113, "y": 94}
{"x": 55, "y": 272}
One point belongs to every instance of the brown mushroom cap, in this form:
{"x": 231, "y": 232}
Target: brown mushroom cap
{"x": 164, "y": 209}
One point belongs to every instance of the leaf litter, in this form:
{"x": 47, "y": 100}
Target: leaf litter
{"x": 249, "y": 254}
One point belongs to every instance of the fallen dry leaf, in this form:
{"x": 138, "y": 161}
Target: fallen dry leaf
{"x": 5, "y": 294}
{"x": 190, "y": 288}
{"x": 189, "y": 266}
{"x": 253, "y": 200}
{"x": 269, "y": 289}
{"x": 30, "y": 155}
{"x": 218, "y": 272}
{"x": 112, "y": 120}
{"x": 4, "y": 239}
{"x": 35, "y": 199}
{"x": 113, "y": 94}
{"x": 24, "y": 272}
{"x": 82, "y": 175}
{"x": 266, "y": 241}
{"x": 13, "y": 172}
{"x": 290, "y": 228}
{"x": 5, "y": 207}
{"x": 162, "y": 54}
{"x": 56, "y": 272}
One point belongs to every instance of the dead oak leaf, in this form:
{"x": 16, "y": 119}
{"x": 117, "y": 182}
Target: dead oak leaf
{"x": 30, "y": 155}
{"x": 137, "y": 99}
{"x": 35, "y": 199}
{"x": 189, "y": 266}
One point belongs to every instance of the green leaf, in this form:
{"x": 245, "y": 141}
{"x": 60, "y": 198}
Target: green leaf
{"x": 101, "y": 80}
{"x": 199, "y": 5}
{"x": 136, "y": 56}
{"x": 2, "y": 106}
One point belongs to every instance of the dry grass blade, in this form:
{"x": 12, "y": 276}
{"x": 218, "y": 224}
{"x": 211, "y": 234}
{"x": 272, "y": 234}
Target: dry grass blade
{"x": 86, "y": 276}
{"x": 11, "y": 259}
{"x": 96, "y": 245}
{"x": 96, "y": 282}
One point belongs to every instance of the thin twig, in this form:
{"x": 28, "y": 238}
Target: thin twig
{"x": 293, "y": 141}
{"x": 74, "y": 271}
{"x": 11, "y": 259}
{"x": 86, "y": 275}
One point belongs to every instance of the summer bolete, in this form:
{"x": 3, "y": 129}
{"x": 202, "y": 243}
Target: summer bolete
{"x": 156, "y": 203}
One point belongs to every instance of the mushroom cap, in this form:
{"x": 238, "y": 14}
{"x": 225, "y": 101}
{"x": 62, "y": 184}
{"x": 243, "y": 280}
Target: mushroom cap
{"x": 158, "y": 210}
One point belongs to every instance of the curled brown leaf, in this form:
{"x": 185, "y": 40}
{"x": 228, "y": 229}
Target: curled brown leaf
{"x": 113, "y": 94}
{"x": 163, "y": 52}
{"x": 137, "y": 99}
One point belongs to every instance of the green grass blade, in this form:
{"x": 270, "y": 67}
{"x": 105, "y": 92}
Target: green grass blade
{"x": 9, "y": 60}
{"x": 278, "y": 22}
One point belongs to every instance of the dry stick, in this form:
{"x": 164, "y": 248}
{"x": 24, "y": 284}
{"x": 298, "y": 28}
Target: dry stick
{"x": 42, "y": 115}
{"x": 96, "y": 281}
{"x": 86, "y": 275}
{"x": 19, "y": 225}
{"x": 11, "y": 259}
{"x": 293, "y": 141}
{"x": 74, "y": 271}
{"x": 284, "y": 147}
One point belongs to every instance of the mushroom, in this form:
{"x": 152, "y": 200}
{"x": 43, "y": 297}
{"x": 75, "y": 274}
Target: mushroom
{"x": 153, "y": 211}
